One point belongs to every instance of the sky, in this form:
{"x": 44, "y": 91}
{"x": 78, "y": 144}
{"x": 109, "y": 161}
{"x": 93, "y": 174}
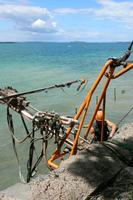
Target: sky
{"x": 66, "y": 20}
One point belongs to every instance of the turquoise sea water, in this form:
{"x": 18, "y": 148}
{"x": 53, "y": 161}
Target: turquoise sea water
{"x": 27, "y": 66}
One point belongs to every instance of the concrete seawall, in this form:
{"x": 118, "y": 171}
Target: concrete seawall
{"x": 97, "y": 170}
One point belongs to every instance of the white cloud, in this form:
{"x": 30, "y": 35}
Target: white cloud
{"x": 109, "y": 9}
{"x": 117, "y": 11}
{"x": 32, "y": 22}
{"x": 28, "y": 18}
{"x": 68, "y": 11}
{"x": 14, "y": 1}
{"x": 39, "y": 24}
{"x": 54, "y": 24}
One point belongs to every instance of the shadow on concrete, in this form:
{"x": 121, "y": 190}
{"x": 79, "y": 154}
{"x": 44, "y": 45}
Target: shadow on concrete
{"x": 102, "y": 168}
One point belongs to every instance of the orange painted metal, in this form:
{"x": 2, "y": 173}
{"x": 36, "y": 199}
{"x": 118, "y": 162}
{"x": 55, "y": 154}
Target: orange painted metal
{"x": 84, "y": 105}
{"x": 84, "y": 108}
{"x": 55, "y": 156}
{"x": 124, "y": 70}
{"x": 79, "y": 129}
{"x": 99, "y": 101}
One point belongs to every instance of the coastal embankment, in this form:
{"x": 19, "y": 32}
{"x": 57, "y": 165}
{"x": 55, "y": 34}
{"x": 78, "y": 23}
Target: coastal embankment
{"x": 99, "y": 171}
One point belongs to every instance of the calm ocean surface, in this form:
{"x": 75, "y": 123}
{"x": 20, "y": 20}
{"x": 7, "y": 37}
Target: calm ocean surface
{"x": 27, "y": 66}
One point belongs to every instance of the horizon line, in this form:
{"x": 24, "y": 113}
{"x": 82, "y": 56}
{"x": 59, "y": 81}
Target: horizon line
{"x": 65, "y": 41}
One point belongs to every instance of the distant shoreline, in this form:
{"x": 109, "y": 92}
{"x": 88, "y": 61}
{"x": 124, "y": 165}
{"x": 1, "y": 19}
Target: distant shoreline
{"x": 62, "y": 42}
{"x": 7, "y": 42}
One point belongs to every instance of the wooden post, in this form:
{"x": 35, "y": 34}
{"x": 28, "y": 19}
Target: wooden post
{"x": 102, "y": 129}
{"x": 96, "y": 99}
{"x": 114, "y": 94}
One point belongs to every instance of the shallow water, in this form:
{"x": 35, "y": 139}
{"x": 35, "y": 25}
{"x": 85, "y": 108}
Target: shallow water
{"x": 27, "y": 66}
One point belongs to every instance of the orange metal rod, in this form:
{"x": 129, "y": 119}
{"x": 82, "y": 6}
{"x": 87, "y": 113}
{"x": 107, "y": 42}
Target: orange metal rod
{"x": 122, "y": 71}
{"x": 99, "y": 102}
{"x": 89, "y": 95}
{"x": 79, "y": 129}
{"x": 54, "y": 157}
{"x": 52, "y": 165}
{"x": 107, "y": 64}
{"x": 87, "y": 98}
{"x": 86, "y": 102}
{"x": 56, "y": 153}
